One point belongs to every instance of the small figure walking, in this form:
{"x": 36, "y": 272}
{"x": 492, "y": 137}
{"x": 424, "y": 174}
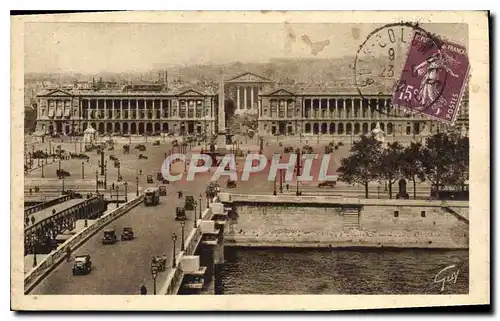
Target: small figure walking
{"x": 32, "y": 220}
{"x": 144, "y": 290}
{"x": 287, "y": 187}
{"x": 179, "y": 194}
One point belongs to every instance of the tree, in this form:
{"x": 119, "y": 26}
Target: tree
{"x": 459, "y": 171}
{"x": 411, "y": 165}
{"x": 389, "y": 166}
{"x": 437, "y": 159}
{"x": 361, "y": 166}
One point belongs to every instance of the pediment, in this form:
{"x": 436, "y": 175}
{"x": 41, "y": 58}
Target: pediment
{"x": 281, "y": 92}
{"x": 59, "y": 93}
{"x": 190, "y": 93}
{"x": 248, "y": 77}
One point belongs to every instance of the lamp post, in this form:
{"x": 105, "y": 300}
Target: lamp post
{"x": 96, "y": 181}
{"x": 194, "y": 215}
{"x": 34, "y": 252}
{"x": 106, "y": 174}
{"x": 208, "y": 202}
{"x": 378, "y": 191}
{"x": 183, "y": 223}
{"x": 83, "y": 170}
{"x": 199, "y": 201}
{"x": 126, "y": 192}
{"x": 43, "y": 174}
{"x": 137, "y": 185}
{"x": 174, "y": 239}
{"x": 117, "y": 189}
{"x": 298, "y": 172}
{"x": 62, "y": 192}
{"x": 154, "y": 273}
{"x": 281, "y": 180}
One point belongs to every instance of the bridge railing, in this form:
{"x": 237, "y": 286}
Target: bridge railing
{"x": 47, "y": 204}
{"x": 55, "y": 257}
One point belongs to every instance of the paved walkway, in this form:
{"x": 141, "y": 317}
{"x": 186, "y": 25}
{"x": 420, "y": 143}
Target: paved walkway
{"x": 45, "y": 213}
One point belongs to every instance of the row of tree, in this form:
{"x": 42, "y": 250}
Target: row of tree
{"x": 443, "y": 160}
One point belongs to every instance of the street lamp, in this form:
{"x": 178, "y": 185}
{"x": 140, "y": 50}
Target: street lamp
{"x": 126, "y": 192}
{"x": 83, "y": 170}
{"x": 183, "y": 223}
{"x": 208, "y": 201}
{"x": 281, "y": 180}
{"x": 154, "y": 273}
{"x": 62, "y": 192}
{"x": 298, "y": 172}
{"x": 96, "y": 181}
{"x": 34, "y": 252}
{"x": 117, "y": 188}
{"x": 43, "y": 175}
{"x": 199, "y": 201}
{"x": 194, "y": 212}
{"x": 174, "y": 238}
{"x": 137, "y": 185}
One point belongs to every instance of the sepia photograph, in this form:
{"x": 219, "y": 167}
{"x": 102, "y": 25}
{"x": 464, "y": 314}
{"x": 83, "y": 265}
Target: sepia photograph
{"x": 317, "y": 156}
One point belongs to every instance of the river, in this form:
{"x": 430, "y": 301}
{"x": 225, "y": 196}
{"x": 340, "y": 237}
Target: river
{"x": 344, "y": 271}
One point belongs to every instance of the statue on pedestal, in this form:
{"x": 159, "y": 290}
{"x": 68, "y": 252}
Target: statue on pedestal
{"x": 378, "y": 133}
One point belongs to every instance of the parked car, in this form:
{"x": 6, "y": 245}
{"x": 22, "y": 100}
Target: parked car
{"x": 82, "y": 264}
{"x": 189, "y": 204}
{"x": 327, "y": 184}
{"x": 150, "y": 179}
{"x": 127, "y": 234}
{"x": 109, "y": 237}
{"x": 163, "y": 190}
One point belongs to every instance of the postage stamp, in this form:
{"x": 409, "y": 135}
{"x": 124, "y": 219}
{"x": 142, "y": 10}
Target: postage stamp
{"x": 433, "y": 79}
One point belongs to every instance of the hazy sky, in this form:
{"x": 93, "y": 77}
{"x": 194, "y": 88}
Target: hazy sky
{"x": 120, "y": 47}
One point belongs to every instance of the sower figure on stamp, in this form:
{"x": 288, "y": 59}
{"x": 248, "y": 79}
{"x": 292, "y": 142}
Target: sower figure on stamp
{"x": 429, "y": 92}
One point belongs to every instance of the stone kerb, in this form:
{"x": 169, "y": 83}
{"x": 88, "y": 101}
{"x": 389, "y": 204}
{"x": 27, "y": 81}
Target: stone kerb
{"x": 330, "y": 200}
{"x": 54, "y": 258}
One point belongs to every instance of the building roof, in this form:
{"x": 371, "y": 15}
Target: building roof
{"x": 325, "y": 91}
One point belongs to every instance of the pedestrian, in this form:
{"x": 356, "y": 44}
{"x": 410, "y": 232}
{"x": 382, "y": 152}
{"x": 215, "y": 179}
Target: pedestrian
{"x": 113, "y": 186}
{"x": 287, "y": 187}
{"x": 31, "y": 191}
{"x": 144, "y": 290}
{"x": 32, "y": 219}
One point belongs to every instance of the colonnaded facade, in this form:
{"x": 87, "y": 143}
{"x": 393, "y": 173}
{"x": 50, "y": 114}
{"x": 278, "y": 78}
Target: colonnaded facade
{"x": 148, "y": 109}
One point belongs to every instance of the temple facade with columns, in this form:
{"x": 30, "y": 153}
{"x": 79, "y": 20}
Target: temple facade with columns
{"x": 291, "y": 110}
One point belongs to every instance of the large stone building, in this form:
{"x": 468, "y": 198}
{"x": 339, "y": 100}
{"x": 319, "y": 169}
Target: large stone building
{"x": 291, "y": 110}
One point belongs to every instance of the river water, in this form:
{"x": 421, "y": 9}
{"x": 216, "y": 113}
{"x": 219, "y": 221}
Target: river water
{"x": 343, "y": 271}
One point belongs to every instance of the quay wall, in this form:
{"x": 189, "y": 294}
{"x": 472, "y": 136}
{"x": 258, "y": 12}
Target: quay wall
{"x": 292, "y": 222}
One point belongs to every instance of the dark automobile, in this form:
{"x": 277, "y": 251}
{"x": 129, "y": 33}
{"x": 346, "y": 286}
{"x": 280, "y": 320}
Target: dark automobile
{"x": 82, "y": 265}
{"x": 127, "y": 234}
{"x": 163, "y": 190}
{"x": 180, "y": 214}
{"x": 327, "y": 184}
{"x": 109, "y": 237}
{"x": 150, "y": 179}
{"x": 189, "y": 204}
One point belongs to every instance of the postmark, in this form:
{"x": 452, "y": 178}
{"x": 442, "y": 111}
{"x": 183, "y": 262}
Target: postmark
{"x": 381, "y": 61}
{"x": 433, "y": 80}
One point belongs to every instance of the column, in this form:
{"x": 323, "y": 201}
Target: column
{"x": 128, "y": 107}
{"x": 238, "y": 97}
{"x": 121, "y": 109}
{"x": 88, "y": 108}
{"x": 113, "y": 109}
{"x": 153, "y": 110}
{"x": 245, "y": 97}
{"x": 161, "y": 108}
{"x": 329, "y": 113}
{"x": 259, "y": 107}
{"x": 105, "y": 110}
{"x": 137, "y": 111}
{"x": 251, "y": 99}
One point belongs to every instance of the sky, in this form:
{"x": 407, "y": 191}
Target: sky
{"x": 133, "y": 47}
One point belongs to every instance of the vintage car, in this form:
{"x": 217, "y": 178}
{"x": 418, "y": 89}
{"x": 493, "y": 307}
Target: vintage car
{"x": 142, "y": 156}
{"x": 189, "y": 204}
{"x": 141, "y": 147}
{"x": 156, "y": 143}
{"x": 109, "y": 236}
{"x": 161, "y": 263}
{"x": 231, "y": 184}
{"x": 149, "y": 179}
{"x": 175, "y": 143}
{"x": 127, "y": 234}
{"x": 163, "y": 190}
{"x": 151, "y": 196}
{"x": 62, "y": 173}
{"x": 82, "y": 264}
{"x": 113, "y": 158}
{"x": 327, "y": 184}
{"x": 159, "y": 176}
{"x": 180, "y": 214}
{"x": 126, "y": 149}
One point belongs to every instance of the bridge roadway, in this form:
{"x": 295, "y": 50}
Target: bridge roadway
{"x": 123, "y": 267}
